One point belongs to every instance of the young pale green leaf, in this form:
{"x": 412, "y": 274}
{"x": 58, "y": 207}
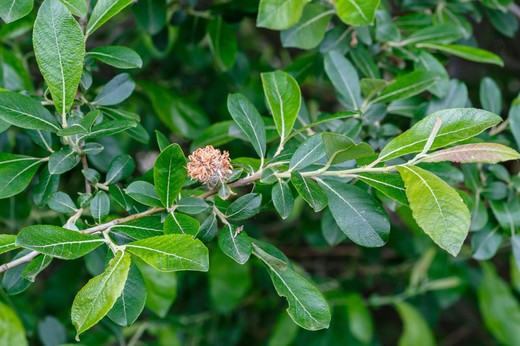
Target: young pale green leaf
{"x": 283, "y": 96}
{"x": 100, "y": 206}
{"x": 283, "y": 199}
{"x": 478, "y": 152}
{"x": 120, "y": 168}
{"x": 145, "y": 227}
{"x": 357, "y": 214}
{"x": 490, "y": 95}
{"x": 35, "y": 267}
{"x": 406, "y": 86}
{"x": 457, "y": 124}
{"x": 62, "y": 203}
{"x": 279, "y": 14}
{"x": 103, "y": 11}
{"x": 59, "y": 47}
{"x": 357, "y": 12}
{"x": 416, "y": 330}
{"x": 434, "y": 34}
{"x": 391, "y": 185}
{"x": 311, "y": 151}
{"x": 16, "y": 172}
{"x": 345, "y": 79}
{"x": 169, "y": 174}
{"x": 466, "y": 52}
{"x": 171, "y": 252}
{"x": 144, "y": 193}
{"x": 235, "y": 243}
{"x": 11, "y": 10}
{"x": 177, "y": 223}
{"x": 63, "y": 160}
{"x": 116, "y": 90}
{"x": 7, "y": 242}
{"x": 222, "y": 42}
{"x": 117, "y": 56}
{"x": 56, "y": 241}
{"x": 130, "y": 303}
{"x": 245, "y": 114}
{"x": 22, "y": 111}
{"x": 13, "y": 332}
{"x": 244, "y": 207}
{"x": 340, "y": 148}
{"x": 99, "y": 295}
{"x": 437, "y": 208}
{"x": 310, "y": 191}
{"x": 310, "y": 30}
{"x": 495, "y": 297}
{"x": 307, "y": 307}
{"x": 76, "y": 7}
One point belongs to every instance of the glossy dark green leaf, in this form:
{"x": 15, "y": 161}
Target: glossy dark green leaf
{"x": 490, "y": 95}
{"x": 100, "y": 206}
{"x": 120, "y": 168}
{"x": 310, "y": 152}
{"x": 310, "y": 29}
{"x": 62, "y": 203}
{"x": 235, "y": 243}
{"x": 169, "y": 174}
{"x": 117, "y": 56}
{"x": 310, "y": 191}
{"x": 103, "y": 11}
{"x": 63, "y": 160}
{"x": 116, "y": 90}
{"x": 222, "y": 43}
{"x": 181, "y": 224}
{"x": 161, "y": 288}
{"x": 391, "y": 185}
{"x": 345, "y": 79}
{"x": 408, "y": 85}
{"x": 145, "y": 227}
{"x": 192, "y": 205}
{"x": 25, "y": 112}
{"x": 16, "y": 172}
{"x": 244, "y": 207}
{"x": 130, "y": 303}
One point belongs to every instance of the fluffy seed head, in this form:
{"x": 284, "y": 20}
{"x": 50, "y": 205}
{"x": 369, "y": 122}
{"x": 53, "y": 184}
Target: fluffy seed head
{"x": 209, "y": 166}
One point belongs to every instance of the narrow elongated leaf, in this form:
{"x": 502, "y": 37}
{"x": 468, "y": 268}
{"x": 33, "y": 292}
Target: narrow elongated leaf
{"x": 407, "y": 86}
{"x": 171, "y": 252}
{"x": 416, "y": 330}
{"x": 310, "y": 191}
{"x": 16, "y": 172}
{"x": 246, "y": 116}
{"x": 279, "y": 14}
{"x": 110, "y": 127}
{"x": 22, "y": 111}
{"x": 457, "y": 124}
{"x": 466, "y": 52}
{"x": 283, "y": 96}
{"x": 479, "y": 152}
{"x": 391, "y": 185}
{"x": 311, "y": 151}
{"x": 130, "y": 303}
{"x": 357, "y": 214}
{"x": 59, "y": 47}
{"x": 235, "y": 243}
{"x": 169, "y": 174}
{"x": 345, "y": 79}
{"x": 434, "y": 34}
{"x": 57, "y": 242}
{"x": 357, "y": 12}
{"x": 117, "y": 56}
{"x": 103, "y": 11}
{"x": 437, "y": 208}
{"x": 7, "y": 242}
{"x": 307, "y": 307}
{"x": 11, "y": 10}
{"x": 283, "y": 199}
{"x": 310, "y": 30}
{"x": 99, "y": 295}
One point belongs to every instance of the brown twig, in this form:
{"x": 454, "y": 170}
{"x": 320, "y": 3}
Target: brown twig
{"x": 88, "y": 188}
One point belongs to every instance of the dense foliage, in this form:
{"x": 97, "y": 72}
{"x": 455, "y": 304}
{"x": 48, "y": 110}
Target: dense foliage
{"x": 169, "y": 168}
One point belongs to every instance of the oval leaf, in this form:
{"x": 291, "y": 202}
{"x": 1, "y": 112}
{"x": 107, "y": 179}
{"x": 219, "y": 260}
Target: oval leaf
{"x": 169, "y": 174}
{"x": 479, "y": 152}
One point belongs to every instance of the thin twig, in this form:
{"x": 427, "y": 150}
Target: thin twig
{"x": 88, "y": 188}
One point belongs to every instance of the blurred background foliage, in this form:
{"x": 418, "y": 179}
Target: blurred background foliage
{"x": 195, "y": 53}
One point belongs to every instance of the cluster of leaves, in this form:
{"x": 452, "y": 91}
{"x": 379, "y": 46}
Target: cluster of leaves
{"x": 390, "y": 143}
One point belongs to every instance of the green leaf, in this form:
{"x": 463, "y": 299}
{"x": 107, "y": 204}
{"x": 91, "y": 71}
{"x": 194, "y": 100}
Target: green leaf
{"x": 416, "y": 330}
{"x": 59, "y": 47}
{"x": 457, "y": 125}
{"x": 99, "y": 295}
{"x": 478, "y": 152}
{"x": 357, "y": 12}
{"x": 110, "y": 127}
{"x": 406, "y": 86}
{"x": 11, "y": 10}
{"x": 283, "y": 199}
{"x": 181, "y": 224}
{"x": 83, "y": 126}
{"x": 120, "y": 197}
{"x": 340, "y": 148}
{"x": 130, "y": 303}
{"x": 144, "y": 193}
{"x": 100, "y": 206}
{"x": 62, "y": 203}
{"x": 117, "y": 56}
{"x": 283, "y": 96}
{"x": 310, "y": 30}
{"x": 161, "y": 288}
{"x": 494, "y": 299}
{"x": 507, "y": 214}
{"x": 428, "y": 62}
{"x": 279, "y": 14}
{"x": 25, "y": 112}
{"x": 437, "y": 208}
{"x": 16, "y": 172}
{"x": 222, "y": 42}
{"x": 244, "y": 207}
{"x": 307, "y": 307}
{"x": 35, "y": 267}
{"x": 514, "y": 119}
{"x": 308, "y": 153}
{"x": 169, "y": 174}
{"x": 76, "y": 7}
{"x": 13, "y": 332}
{"x": 7, "y": 242}
{"x": 171, "y": 252}
{"x": 120, "y": 168}
{"x": 116, "y": 90}
{"x": 235, "y": 243}
{"x": 345, "y": 79}
{"x": 145, "y": 227}
{"x": 433, "y": 34}
{"x": 192, "y": 205}
{"x": 310, "y": 191}
{"x": 103, "y": 11}
{"x": 246, "y": 116}
{"x": 391, "y": 185}
{"x": 360, "y": 320}
{"x": 466, "y": 52}
{"x": 357, "y": 214}
{"x": 63, "y": 160}
{"x": 12, "y": 281}
{"x": 490, "y": 95}
{"x": 57, "y": 242}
